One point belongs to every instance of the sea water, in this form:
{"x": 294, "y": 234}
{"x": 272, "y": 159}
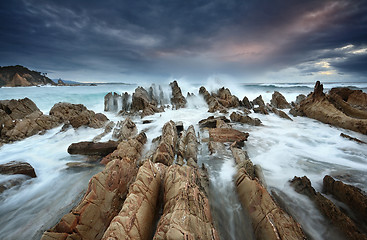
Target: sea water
{"x": 283, "y": 149}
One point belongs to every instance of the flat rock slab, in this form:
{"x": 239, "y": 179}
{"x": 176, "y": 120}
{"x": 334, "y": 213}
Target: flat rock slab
{"x": 91, "y": 148}
{"x": 227, "y": 135}
{"x": 15, "y": 167}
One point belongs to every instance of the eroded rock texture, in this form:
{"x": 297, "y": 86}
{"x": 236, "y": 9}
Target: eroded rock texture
{"x": 279, "y": 101}
{"x": 186, "y": 213}
{"x": 135, "y": 220}
{"x": 177, "y": 100}
{"x": 237, "y": 117}
{"x": 166, "y": 150}
{"x": 219, "y": 101}
{"x": 328, "y": 208}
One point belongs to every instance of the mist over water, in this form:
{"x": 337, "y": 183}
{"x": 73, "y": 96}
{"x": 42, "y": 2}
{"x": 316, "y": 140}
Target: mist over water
{"x": 283, "y": 149}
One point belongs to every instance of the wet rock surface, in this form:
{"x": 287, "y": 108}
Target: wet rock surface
{"x": 177, "y": 100}
{"x": 125, "y": 129}
{"x": 328, "y": 208}
{"x": 212, "y": 122}
{"x": 166, "y": 150}
{"x": 16, "y": 167}
{"x": 279, "y": 101}
{"x": 219, "y": 101}
{"x": 237, "y": 117}
{"x": 92, "y": 148}
{"x": 227, "y": 135}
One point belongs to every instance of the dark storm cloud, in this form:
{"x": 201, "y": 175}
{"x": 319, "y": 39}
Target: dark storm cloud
{"x": 182, "y": 38}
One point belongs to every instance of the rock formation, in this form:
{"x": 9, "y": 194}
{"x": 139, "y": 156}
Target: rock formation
{"x": 350, "y": 195}
{"x": 103, "y": 200}
{"x": 318, "y": 106}
{"x": 142, "y": 102}
{"x": 246, "y": 103}
{"x": 16, "y": 167}
{"x": 136, "y": 218}
{"x": 279, "y": 101}
{"x": 19, "y": 76}
{"x": 212, "y": 122}
{"x": 125, "y": 129}
{"x": 328, "y": 208}
{"x": 227, "y": 135}
{"x": 188, "y": 148}
{"x": 352, "y": 138}
{"x": 166, "y": 150}
{"x": 280, "y": 113}
{"x": 237, "y": 117}
{"x": 219, "y": 101}
{"x": 177, "y": 100}
{"x": 186, "y": 213}
{"x": 91, "y": 148}
{"x": 77, "y": 115}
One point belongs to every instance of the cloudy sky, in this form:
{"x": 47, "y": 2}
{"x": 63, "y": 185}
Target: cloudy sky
{"x": 152, "y": 40}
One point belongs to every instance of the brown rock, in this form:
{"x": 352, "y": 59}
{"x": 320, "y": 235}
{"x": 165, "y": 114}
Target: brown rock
{"x": 237, "y": 117}
{"x": 212, "y": 122}
{"x": 101, "y": 203}
{"x": 135, "y": 220}
{"x": 258, "y": 101}
{"x": 246, "y": 103}
{"x": 280, "y": 113}
{"x": 177, "y": 100}
{"x": 328, "y": 208}
{"x": 317, "y": 106}
{"x": 227, "y": 135}
{"x": 91, "y": 148}
{"x": 350, "y": 195}
{"x": 15, "y": 167}
{"x": 18, "y": 109}
{"x": 188, "y": 146}
{"x": 268, "y": 219}
{"x": 166, "y": 150}
{"x": 186, "y": 213}
{"x": 279, "y": 101}
{"x": 141, "y": 101}
{"x": 243, "y": 161}
{"x": 352, "y": 138}
{"x": 125, "y": 129}
{"x": 346, "y": 108}
{"x": 262, "y": 110}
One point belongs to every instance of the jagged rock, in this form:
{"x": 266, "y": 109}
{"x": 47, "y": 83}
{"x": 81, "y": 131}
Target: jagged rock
{"x": 227, "y": 135}
{"x": 177, "y": 100}
{"x": 345, "y": 107}
{"x": 317, "y": 106}
{"x": 188, "y": 147}
{"x": 212, "y": 122}
{"x": 350, "y": 195}
{"x": 212, "y": 102}
{"x": 111, "y": 102}
{"x": 142, "y": 101}
{"x": 101, "y": 203}
{"x": 356, "y": 98}
{"x": 78, "y": 115}
{"x": 166, "y": 150}
{"x": 16, "y": 167}
{"x": 107, "y": 129}
{"x": 186, "y": 213}
{"x": 92, "y": 148}
{"x": 216, "y": 147}
{"x": 279, "y": 101}
{"x": 261, "y": 109}
{"x": 18, "y": 109}
{"x": 269, "y": 221}
{"x": 237, "y": 117}
{"x": 280, "y": 113}
{"x": 246, "y": 103}
{"x": 226, "y": 99}
{"x": 128, "y": 148}
{"x": 19, "y": 76}
{"x": 258, "y": 101}
{"x": 243, "y": 161}
{"x": 136, "y": 218}
{"x": 125, "y": 129}
{"x": 352, "y": 138}
{"x": 327, "y": 207}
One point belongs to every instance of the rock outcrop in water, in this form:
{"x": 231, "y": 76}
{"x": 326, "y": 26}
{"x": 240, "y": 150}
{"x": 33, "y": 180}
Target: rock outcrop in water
{"x": 279, "y": 101}
{"x": 177, "y": 100}
{"x": 19, "y": 76}
{"x": 103, "y": 200}
{"x": 237, "y": 117}
{"x": 166, "y": 150}
{"x": 16, "y": 167}
{"x": 125, "y": 129}
{"x": 219, "y": 101}
{"x": 92, "y": 148}
{"x": 332, "y": 110}
{"x": 328, "y": 208}
{"x": 186, "y": 213}
{"x": 350, "y": 195}
{"x": 188, "y": 147}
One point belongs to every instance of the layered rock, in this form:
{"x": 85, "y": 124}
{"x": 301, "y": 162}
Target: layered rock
{"x": 22, "y": 118}
{"x": 16, "y": 167}
{"x": 166, "y": 150}
{"x": 258, "y": 101}
{"x": 212, "y": 122}
{"x": 188, "y": 147}
{"x": 328, "y": 208}
{"x": 219, "y": 101}
{"x": 186, "y": 213}
{"x": 103, "y": 200}
{"x": 279, "y": 101}
{"x": 318, "y": 106}
{"x": 227, "y": 135}
{"x": 141, "y": 101}
{"x": 350, "y": 195}
{"x": 125, "y": 129}
{"x": 77, "y": 115}
{"x": 356, "y": 98}
{"x": 135, "y": 220}
{"x": 280, "y": 113}
{"x": 92, "y": 148}
{"x": 237, "y": 117}
{"x": 177, "y": 100}
{"x": 269, "y": 221}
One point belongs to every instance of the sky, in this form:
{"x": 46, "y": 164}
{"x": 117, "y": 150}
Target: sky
{"x": 155, "y": 40}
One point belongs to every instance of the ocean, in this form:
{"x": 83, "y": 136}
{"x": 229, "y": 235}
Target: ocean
{"x": 283, "y": 148}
